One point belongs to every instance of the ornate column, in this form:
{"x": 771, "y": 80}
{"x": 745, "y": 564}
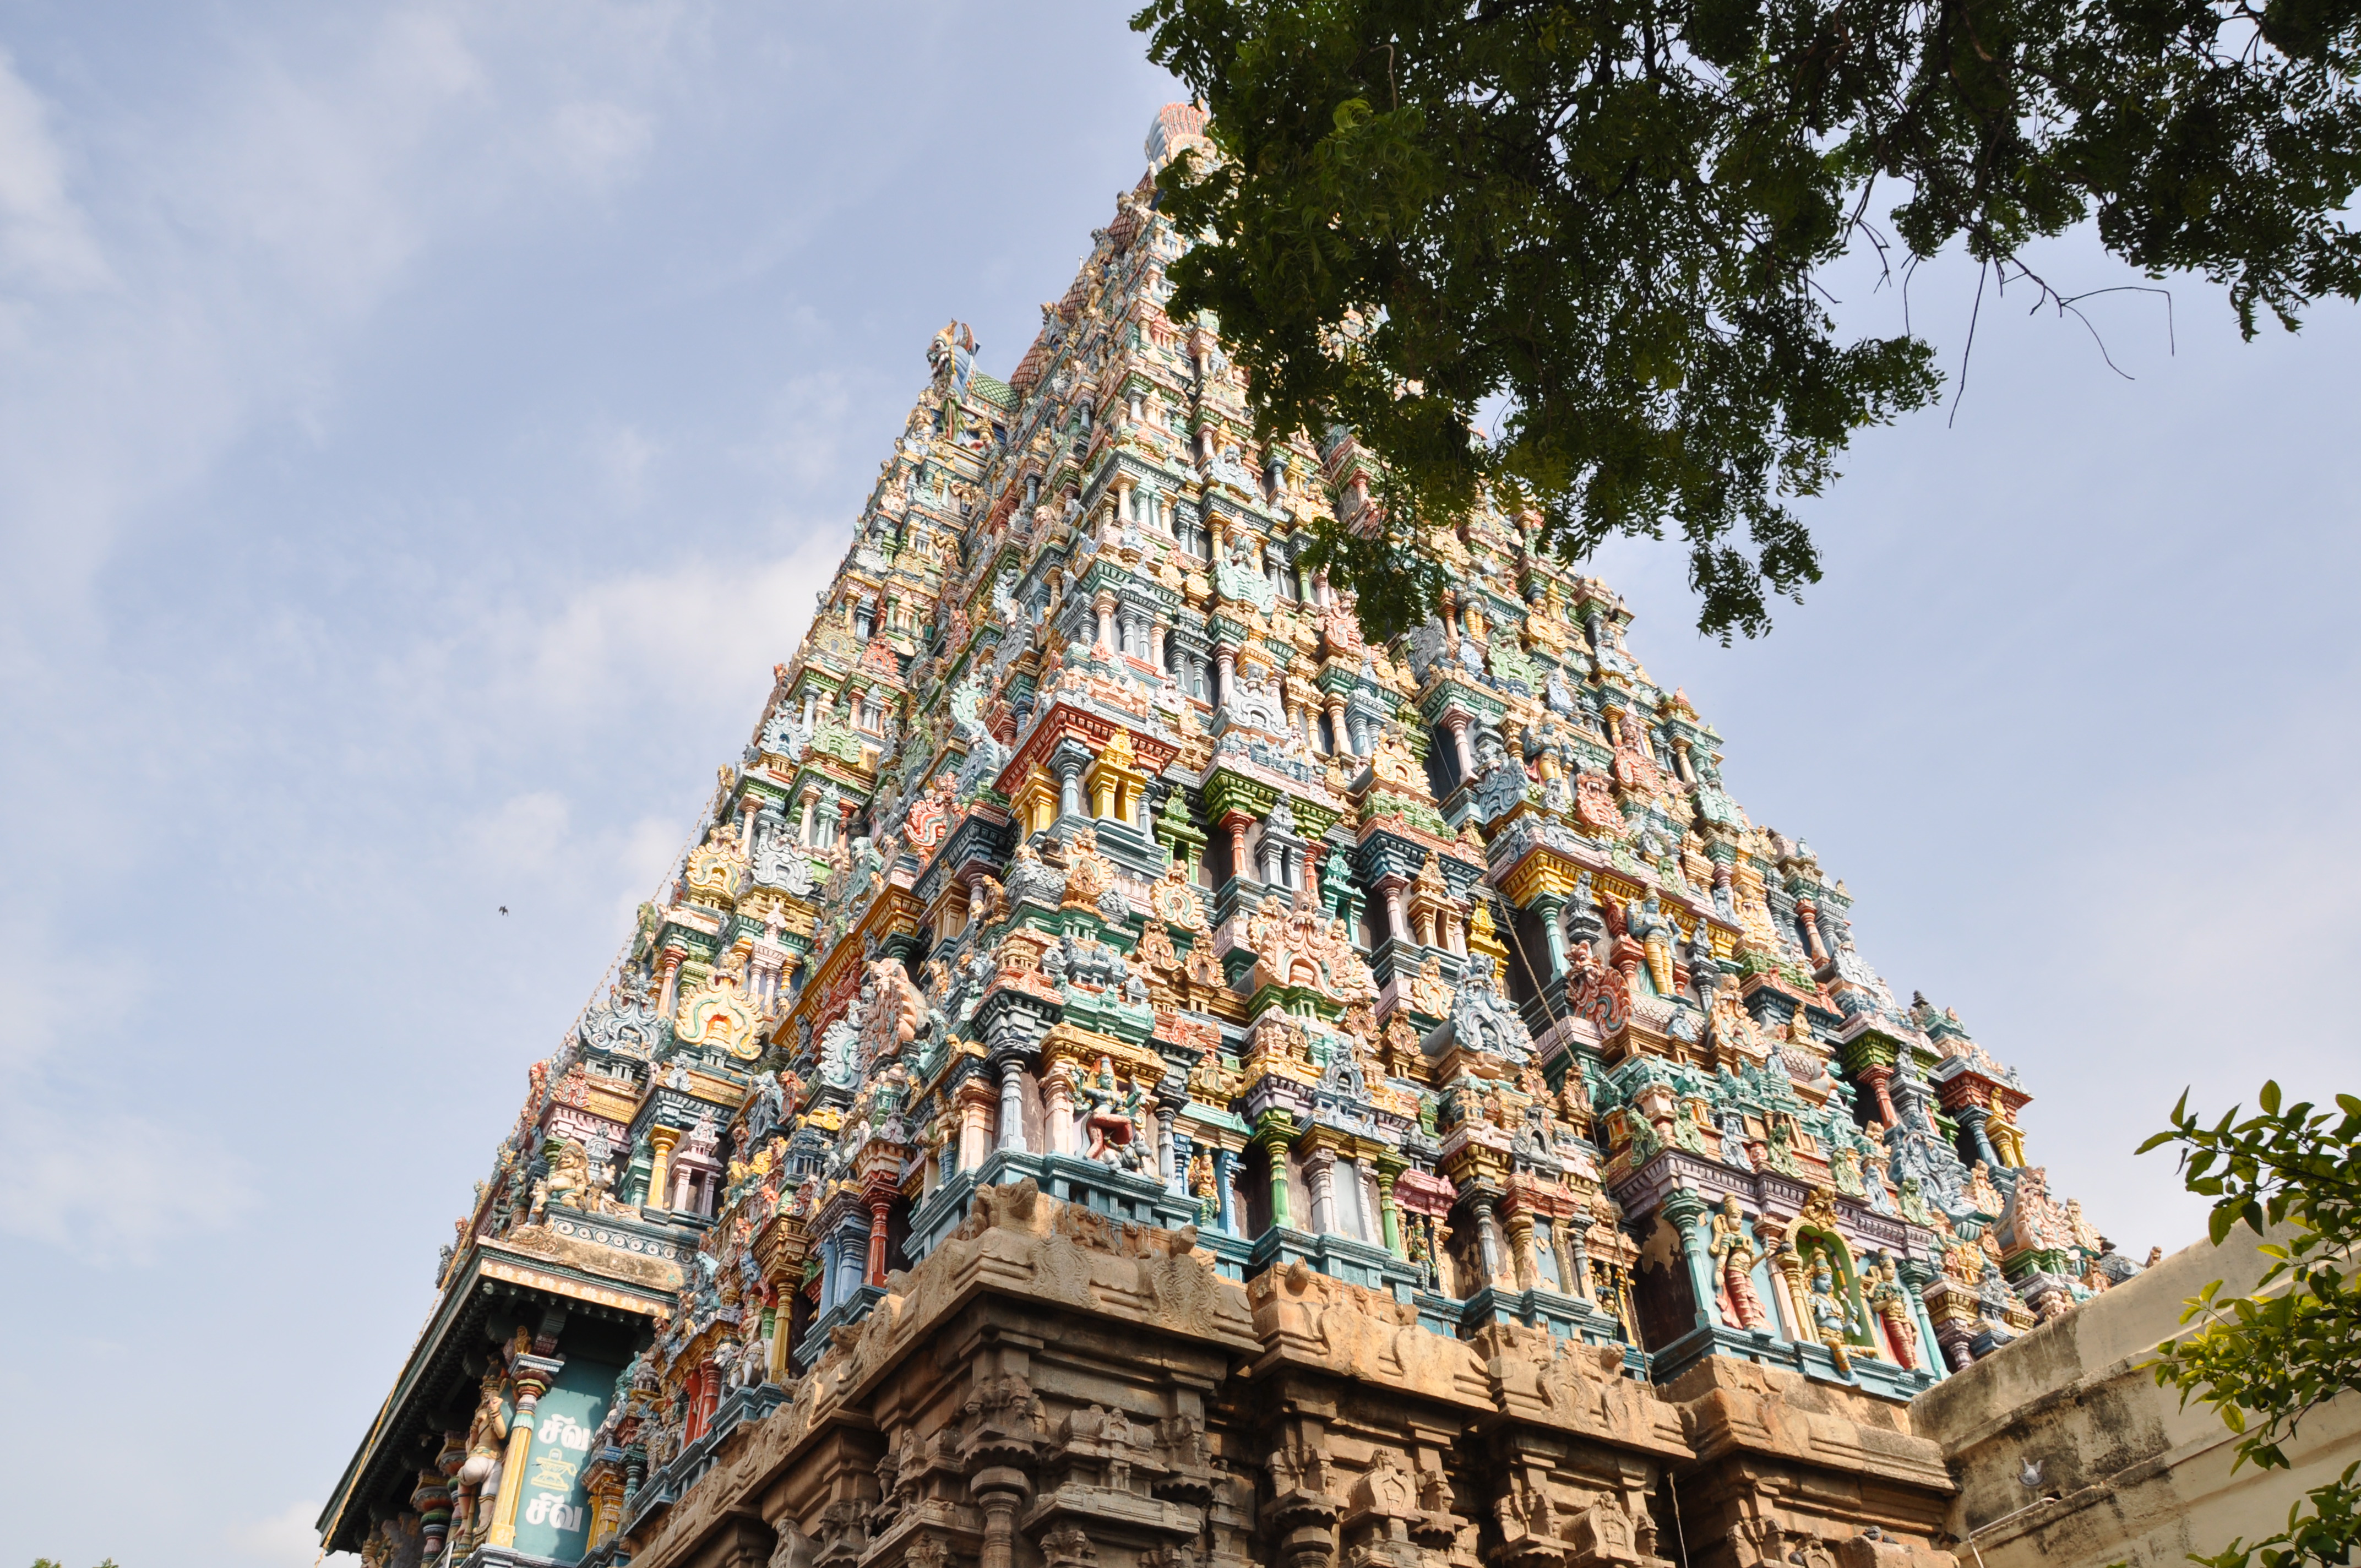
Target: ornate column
{"x": 668, "y": 967}
{"x": 1338, "y": 735}
{"x": 1877, "y": 1077}
{"x": 660, "y": 1141}
{"x": 1457, "y": 723}
{"x": 975, "y": 1129}
{"x": 1771, "y": 1230}
{"x": 1520, "y": 1248}
{"x": 1389, "y": 1210}
{"x": 1225, "y": 667}
{"x": 1012, "y": 1107}
{"x": 1237, "y": 822}
{"x": 1156, "y": 632}
{"x": 999, "y": 1489}
{"x": 1274, "y": 1134}
{"x": 1548, "y": 905}
{"x": 1358, "y": 728}
{"x": 1058, "y": 1111}
{"x": 1488, "y": 1242}
{"x": 1320, "y": 1167}
{"x": 1069, "y": 763}
{"x": 1686, "y": 1211}
{"x": 1972, "y": 1117}
{"x": 533, "y": 1374}
{"x": 1577, "y": 1252}
{"x": 881, "y": 1204}
{"x": 1223, "y": 1162}
{"x": 1103, "y": 608}
{"x": 1916, "y": 1276}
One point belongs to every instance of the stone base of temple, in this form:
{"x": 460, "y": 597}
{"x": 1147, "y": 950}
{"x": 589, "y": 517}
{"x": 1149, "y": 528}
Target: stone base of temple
{"x": 1054, "y": 1385}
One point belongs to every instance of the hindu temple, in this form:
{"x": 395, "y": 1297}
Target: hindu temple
{"x": 1132, "y": 1073}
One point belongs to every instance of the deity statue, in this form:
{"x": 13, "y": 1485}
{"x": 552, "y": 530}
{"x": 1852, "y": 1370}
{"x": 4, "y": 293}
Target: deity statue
{"x": 1649, "y": 926}
{"x": 1833, "y": 1318}
{"x": 1892, "y": 1305}
{"x": 1734, "y": 1253}
{"x": 1110, "y": 1114}
{"x": 1201, "y": 1187}
{"x": 487, "y": 1435}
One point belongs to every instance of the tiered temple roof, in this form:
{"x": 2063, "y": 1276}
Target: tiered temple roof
{"x": 1086, "y": 848}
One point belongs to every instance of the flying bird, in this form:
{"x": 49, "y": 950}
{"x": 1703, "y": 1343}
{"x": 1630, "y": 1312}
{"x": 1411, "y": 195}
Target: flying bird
{"x": 504, "y": 909}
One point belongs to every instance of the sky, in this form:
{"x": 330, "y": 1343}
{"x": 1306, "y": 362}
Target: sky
{"x": 423, "y": 426}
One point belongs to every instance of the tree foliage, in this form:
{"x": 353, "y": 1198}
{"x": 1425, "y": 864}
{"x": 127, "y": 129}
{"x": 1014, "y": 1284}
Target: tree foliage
{"x": 2267, "y": 1360}
{"x": 1606, "y": 219}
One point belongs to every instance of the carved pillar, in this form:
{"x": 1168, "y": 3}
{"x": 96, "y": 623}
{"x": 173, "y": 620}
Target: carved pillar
{"x": 1058, "y": 1111}
{"x": 1273, "y": 1136}
{"x": 1223, "y": 1162}
{"x": 1357, "y": 728}
{"x": 1237, "y": 822}
{"x": 1771, "y": 1230}
{"x": 1069, "y": 783}
{"x": 1457, "y": 723}
{"x": 1577, "y": 1252}
{"x": 1337, "y": 732}
{"x": 1686, "y": 1211}
{"x": 1547, "y": 905}
{"x": 533, "y": 1374}
{"x": 1319, "y": 1168}
{"x": 1561, "y": 1235}
{"x": 1012, "y": 1107}
{"x": 1225, "y": 665}
{"x": 1520, "y": 1248}
{"x": 1156, "y": 633}
{"x": 975, "y": 1111}
{"x": 1389, "y": 1211}
{"x": 881, "y": 1203}
{"x": 999, "y": 1496}
{"x": 1105, "y": 609}
{"x": 660, "y": 1145}
{"x": 1972, "y": 1117}
{"x": 668, "y": 966}
{"x": 1397, "y": 923}
{"x": 1877, "y": 1077}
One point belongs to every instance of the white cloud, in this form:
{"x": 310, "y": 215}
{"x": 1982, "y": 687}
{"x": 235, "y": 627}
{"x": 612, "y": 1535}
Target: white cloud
{"x": 44, "y": 238}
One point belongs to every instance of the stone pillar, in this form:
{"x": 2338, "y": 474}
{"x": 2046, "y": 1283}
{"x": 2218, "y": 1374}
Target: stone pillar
{"x": 1274, "y": 1140}
{"x": 1000, "y": 1489}
{"x": 1012, "y": 1107}
{"x": 1547, "y": 906}
{"x": 533, "y": 1374}
{"x": 1358, "y": 732}
{"x": 1390, "y": 1211}
{"x": 1877, "y": 1077}
{"x": 848, "y": 1262}
{"x": 975, "y": 1111}
{"x": 1237, "y": 822}
{"x": 1157, "y": 632}
{"x": 881, "y": 1203}
{"x": 827, "y": 1273}
{"x": 1225, "y": 665}
{"x": 1337, "y": 732}
{"x": 1560, "y": 1230}
{"x": 1057, "y": 1113}
{"x": 1489, "y": 1243}
{"x": 1771, "y": 1230}
{"x": 1457, "y": 723}
{"x": 1319, "y": 1167}
{"x": 1972, "y": 1117}
{"x": 668, "y": 966}
{"x": 1397, "y": 923}
{"x": 660, "y": 1141}
{"x": 1223, "y": 1163}
{"x": 1577, "y": 1252}
{"x": 1686, "y": 1211}
{"x": 1069, "y": 784}
{"x": 1520, "y": 1248}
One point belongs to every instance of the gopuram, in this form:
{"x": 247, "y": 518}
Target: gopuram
{"x": 1133, "y": 1075}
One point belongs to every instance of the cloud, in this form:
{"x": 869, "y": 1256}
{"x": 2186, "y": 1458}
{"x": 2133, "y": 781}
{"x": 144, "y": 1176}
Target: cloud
{"x": 107, "y": 1185}
{"x": 44, "y": 239}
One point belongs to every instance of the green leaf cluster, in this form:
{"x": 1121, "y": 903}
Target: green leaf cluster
{"x": 2267, "y": 1360}
{"x": 1607, "y": 220}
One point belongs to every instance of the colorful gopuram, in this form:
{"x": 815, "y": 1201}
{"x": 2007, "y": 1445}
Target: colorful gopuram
{"x": 1134, "y": 1074}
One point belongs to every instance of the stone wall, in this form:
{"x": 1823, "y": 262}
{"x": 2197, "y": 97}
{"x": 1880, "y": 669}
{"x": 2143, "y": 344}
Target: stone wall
{"x": 1053, "y": 1387}
{"x": 2129, "y": 1475}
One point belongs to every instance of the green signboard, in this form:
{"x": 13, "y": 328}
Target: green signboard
{"x": 554, "y": 1510}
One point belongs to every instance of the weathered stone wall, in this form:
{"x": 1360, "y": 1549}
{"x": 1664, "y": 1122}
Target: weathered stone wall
{"x": 1053, "y": 1387}
{"x": 2130, "y": 1475}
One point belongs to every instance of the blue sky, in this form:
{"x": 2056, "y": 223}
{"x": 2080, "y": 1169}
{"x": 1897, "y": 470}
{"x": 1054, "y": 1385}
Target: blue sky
{"x": 423, "y": 426}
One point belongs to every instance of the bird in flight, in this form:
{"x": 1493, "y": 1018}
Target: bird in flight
{"x": 504, "y": 909}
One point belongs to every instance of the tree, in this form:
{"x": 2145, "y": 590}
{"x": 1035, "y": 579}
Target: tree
{"x": 2267, "y": 1360}
{"x": 1608, "y": 220}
